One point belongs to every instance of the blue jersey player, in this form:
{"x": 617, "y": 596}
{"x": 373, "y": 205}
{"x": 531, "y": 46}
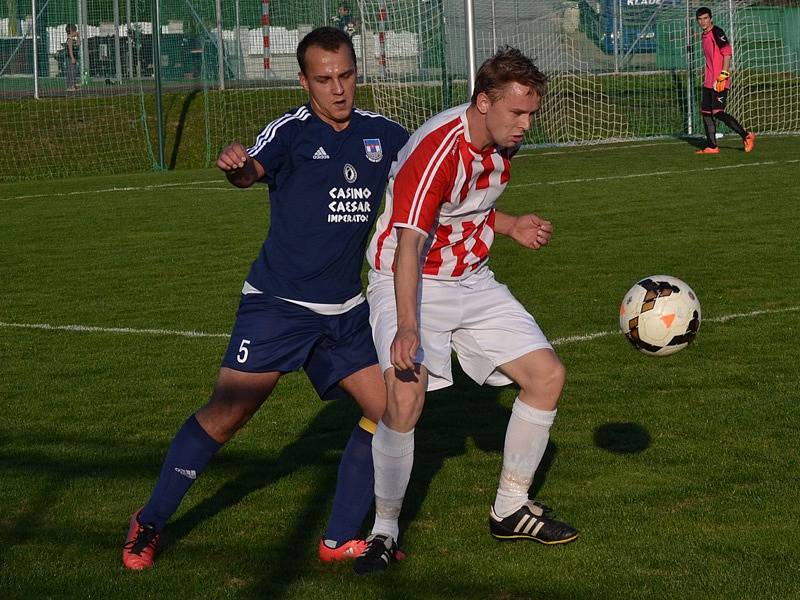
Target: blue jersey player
{"x": 326, "y": 165}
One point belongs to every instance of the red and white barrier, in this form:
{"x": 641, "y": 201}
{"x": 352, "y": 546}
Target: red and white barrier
{"x": 383, "y": 17}
{"x": 265, "y": 35}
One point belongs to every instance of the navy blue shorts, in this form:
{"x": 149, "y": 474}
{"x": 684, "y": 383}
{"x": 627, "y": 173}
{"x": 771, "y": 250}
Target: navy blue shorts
{"x": 274, "y": 335}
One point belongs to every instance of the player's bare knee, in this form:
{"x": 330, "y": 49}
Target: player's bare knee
{"x": 407, "y": 398}
{"x": 557, "y": 378}
{"x": 553, "y": 380}
{"x": 372, "y": 402}
{"x": 541, "y": 387}
{"x": 404, "y": 406}
{"x": 372, "y": 407}
{"x": 222, "y": 418}
{"x": 231, "y": 406}
{"x": 368, "y": 389}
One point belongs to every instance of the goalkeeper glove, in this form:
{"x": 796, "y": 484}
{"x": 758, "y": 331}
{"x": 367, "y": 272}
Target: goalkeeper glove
{"x": 719, "y": 84}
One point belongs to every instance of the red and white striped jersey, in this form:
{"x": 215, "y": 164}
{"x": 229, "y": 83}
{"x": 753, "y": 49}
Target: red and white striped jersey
{"x": 445, "y": 188}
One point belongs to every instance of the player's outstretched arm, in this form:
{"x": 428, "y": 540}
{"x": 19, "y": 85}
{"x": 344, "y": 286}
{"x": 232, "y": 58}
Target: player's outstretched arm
{"x": 530, "y": 230}
{"x": 239, "y": 167}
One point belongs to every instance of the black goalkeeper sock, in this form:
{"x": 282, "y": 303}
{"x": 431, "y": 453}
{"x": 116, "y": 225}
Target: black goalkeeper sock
{"x": 732, "y": 123}
{"x": 711, "y": 130}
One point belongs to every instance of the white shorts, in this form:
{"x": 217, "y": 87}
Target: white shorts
{"x": 477, "y": 317}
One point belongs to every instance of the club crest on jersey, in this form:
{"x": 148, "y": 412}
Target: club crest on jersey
{"x": 350, "y": 174}
{"x": 373, "y": 149}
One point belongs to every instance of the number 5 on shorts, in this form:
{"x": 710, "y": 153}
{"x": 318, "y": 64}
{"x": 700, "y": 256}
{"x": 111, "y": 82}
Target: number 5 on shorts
{"x": 241, "y": 357}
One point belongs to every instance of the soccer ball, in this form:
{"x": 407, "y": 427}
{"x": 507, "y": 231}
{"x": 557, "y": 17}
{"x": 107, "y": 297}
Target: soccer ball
{"x": 660, "y": 315}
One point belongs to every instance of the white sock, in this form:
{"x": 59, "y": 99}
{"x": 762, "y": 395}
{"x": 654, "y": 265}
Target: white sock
{"x": 393, "y": 457}
{"x": 526, "y": 440}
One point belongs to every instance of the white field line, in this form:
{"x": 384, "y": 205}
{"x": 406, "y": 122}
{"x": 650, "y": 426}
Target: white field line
{"x": 723, "y": 319}
{"x": 93, "y": 329}
{"x": 139, "y": 188}
{"x": 657, "y": 173}
{"x": 618, "y": 144}
{"x": 221, "y": 188}
{"x": 202, "y": 334}
{"x": 224, "y": 188}
{"x": 604, "y": 148}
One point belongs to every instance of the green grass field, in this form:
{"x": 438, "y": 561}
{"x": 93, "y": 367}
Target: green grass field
{"x": 681, "y": 473}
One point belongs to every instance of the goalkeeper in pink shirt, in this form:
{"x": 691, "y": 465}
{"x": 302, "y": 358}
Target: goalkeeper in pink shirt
{"x": 717, "y": 51}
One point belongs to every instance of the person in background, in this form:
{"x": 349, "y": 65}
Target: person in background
{"x": 72, "y": 51}
{"x": 716, "y": 84}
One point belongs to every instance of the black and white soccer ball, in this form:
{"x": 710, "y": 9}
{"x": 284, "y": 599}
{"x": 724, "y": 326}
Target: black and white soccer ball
{"x": 660, "y": 315}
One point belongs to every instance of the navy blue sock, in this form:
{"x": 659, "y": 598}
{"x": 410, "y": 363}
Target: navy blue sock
{"x": 355, "y": 488}
{"x": 191, "y": 450}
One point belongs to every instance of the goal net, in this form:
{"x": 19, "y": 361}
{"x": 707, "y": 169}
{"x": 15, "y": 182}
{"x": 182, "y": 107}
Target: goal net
{"x": 69, "y": 103}
{"x": 619, "y": 70}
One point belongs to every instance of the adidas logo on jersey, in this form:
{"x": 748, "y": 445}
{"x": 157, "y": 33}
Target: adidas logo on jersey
{"x": 320, "y": 154}
{"x": 190, "y": 473}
